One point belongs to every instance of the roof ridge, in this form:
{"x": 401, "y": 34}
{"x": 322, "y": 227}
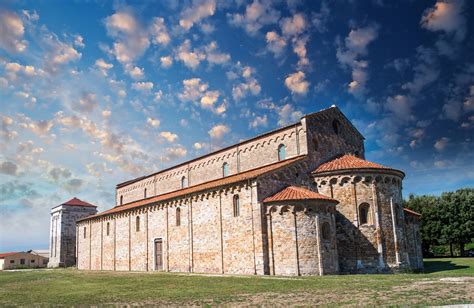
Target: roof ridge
{"x": 246, "y": 175}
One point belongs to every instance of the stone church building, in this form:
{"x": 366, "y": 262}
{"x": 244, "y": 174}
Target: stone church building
{"x": 299, "y": 200}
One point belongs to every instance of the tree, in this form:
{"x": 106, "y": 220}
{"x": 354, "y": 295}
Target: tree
{"x": 448, "y": 219}
{"x": 458, "y": 217}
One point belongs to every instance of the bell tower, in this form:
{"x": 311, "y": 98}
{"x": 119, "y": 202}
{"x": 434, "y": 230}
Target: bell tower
{"x": 62, "y": 234}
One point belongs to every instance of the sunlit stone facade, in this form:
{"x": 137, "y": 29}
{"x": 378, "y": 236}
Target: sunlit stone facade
{"x": 299, "y": 200}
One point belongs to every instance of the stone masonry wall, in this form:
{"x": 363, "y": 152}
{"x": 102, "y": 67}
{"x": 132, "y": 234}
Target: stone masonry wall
{"x": 208, "y": 239}
{"x": 63, "y": 233}
{"x": 296, "y": 245}
{"x": 240, "y": 158}
{"x": 367, "y": 247}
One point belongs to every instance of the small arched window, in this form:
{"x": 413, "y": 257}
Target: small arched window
{"x": 144, "y": 193}
{"x": 178, "y": 217}
{"x": 335, "y": 126}
{"x": 225, "y": 169}
{"x": 326, "y": 231}
{"x": 137, "y": 224}
{"x": 315, "y": 143}
{"x": 281, "y": 152}
{"x": 236, "y": 205}
{"x": 85, "y": 232}
{"x": 364, "y": 213}
{"x": 183, "y": 182}
{"x": 108, "y": 228}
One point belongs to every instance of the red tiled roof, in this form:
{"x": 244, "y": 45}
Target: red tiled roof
{"x": 410, "y": 212}
{"x": 349, "y": 162}
{"x": 297, "y": 193}
{"x": 78, "y": 202}
{"x": 246, "y": 175}
{"x": 6, "y": 254}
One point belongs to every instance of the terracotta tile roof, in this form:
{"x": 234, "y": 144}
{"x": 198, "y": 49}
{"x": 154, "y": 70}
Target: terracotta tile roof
{"x": 410, "y": 212}
{"x": 6, "y": 254}
{"x": 297, "y": 193}
{"x": 349, "y": 162}
{"x": 78, "y": 202}
{"x": 246, "y": 175}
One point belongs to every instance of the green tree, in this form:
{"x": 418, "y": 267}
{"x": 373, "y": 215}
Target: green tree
{"x": 457, "y": 218}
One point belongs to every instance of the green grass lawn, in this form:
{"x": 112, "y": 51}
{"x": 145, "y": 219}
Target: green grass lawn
{"x": 445, "y": 281}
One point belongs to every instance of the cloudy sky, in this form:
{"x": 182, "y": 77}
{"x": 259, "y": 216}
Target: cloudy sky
{"x": 95, "y": 93}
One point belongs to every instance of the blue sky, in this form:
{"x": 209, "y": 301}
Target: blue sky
{"x": 96, "y": 93}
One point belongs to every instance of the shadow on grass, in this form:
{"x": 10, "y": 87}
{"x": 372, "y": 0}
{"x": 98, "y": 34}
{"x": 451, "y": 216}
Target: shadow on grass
{"x": 433, "y": 266}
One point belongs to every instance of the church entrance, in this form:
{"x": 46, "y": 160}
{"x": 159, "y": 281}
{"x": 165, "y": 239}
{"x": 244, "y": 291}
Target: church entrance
{"x": 158, "y": 254}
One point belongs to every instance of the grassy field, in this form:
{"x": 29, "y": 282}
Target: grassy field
{"x": 445, "y": 281}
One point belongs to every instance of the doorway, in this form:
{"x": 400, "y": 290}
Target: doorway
{"x": 158, "y": 254}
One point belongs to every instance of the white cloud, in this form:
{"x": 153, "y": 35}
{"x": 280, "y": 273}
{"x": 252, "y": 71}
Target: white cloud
{"x": 41, "y": 127}
{"x": 103, "y": 66}
{"x": 135, "y": 72}
{"x": 79, "y": 41}
{"x": 142, "y": 86}
{"x": 169, "y": 136}
{"x": 175, "y": 153}
{"x": 60, "y": 53}
{"x": 299, "y": 47}
{"x": 469, "y": 101}
{"x": 355, "y": 46}
{"x": 259, "y": 121}
{"x": 275, "y": 43}
{"x": 198, "y": 145}
{"x": 11, "y": 32}
{"x": 209, "y": 99}
{"x": 213, "y": 56}
{"x": 446, "y": 16}
{"x": 13, "y": 70}
{"x": 426, "y": 71}
{"x": 241, "y": 90}
{"x": 293, "y": 26}
{"x": 400, "y": 105}
{"x": 193, "y": 89}
{"x": 158, "y": 95}
{"x": 153, "y": 122}
{"x": 166, "y": 61}
{"x": 257, "y": 15}
{"x": 218, "y": 132}
{"x": 131, "y": 40}
{"x": 287, "y": 114}
{"x": 199, "y": 10}
{"x": 159, "y": 31}
{"x": 296, "y": 83}
{"x": 441, "y": 144}
{"x": 190, "y": 58}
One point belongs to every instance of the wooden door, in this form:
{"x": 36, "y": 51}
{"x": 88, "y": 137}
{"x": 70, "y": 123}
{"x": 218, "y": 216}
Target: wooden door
{"x": 158, "y": 255}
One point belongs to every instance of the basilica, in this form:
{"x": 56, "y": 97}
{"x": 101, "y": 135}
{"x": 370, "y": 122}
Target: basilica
{"x": 298, "y": 200}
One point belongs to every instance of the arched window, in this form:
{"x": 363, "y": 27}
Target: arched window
{"x": 85, "y": 232}
{"x": 281, "y": 152}
{"x": 121, "y": 200}
{"x": 326, "y": 231}
{"x": 108, "y": 228}
{"x": 137, "y": 224}
{"x": 236, "y": 205}
{"x": 225, "y": 169}
{"x": 144, "y": 193}
{"x": 335, "y": 126}
{"x": 183, "y": 182}
{"x": 178, "y": 217}
{"x": 315, "y": 143}
{"x": 364, "y": 213}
